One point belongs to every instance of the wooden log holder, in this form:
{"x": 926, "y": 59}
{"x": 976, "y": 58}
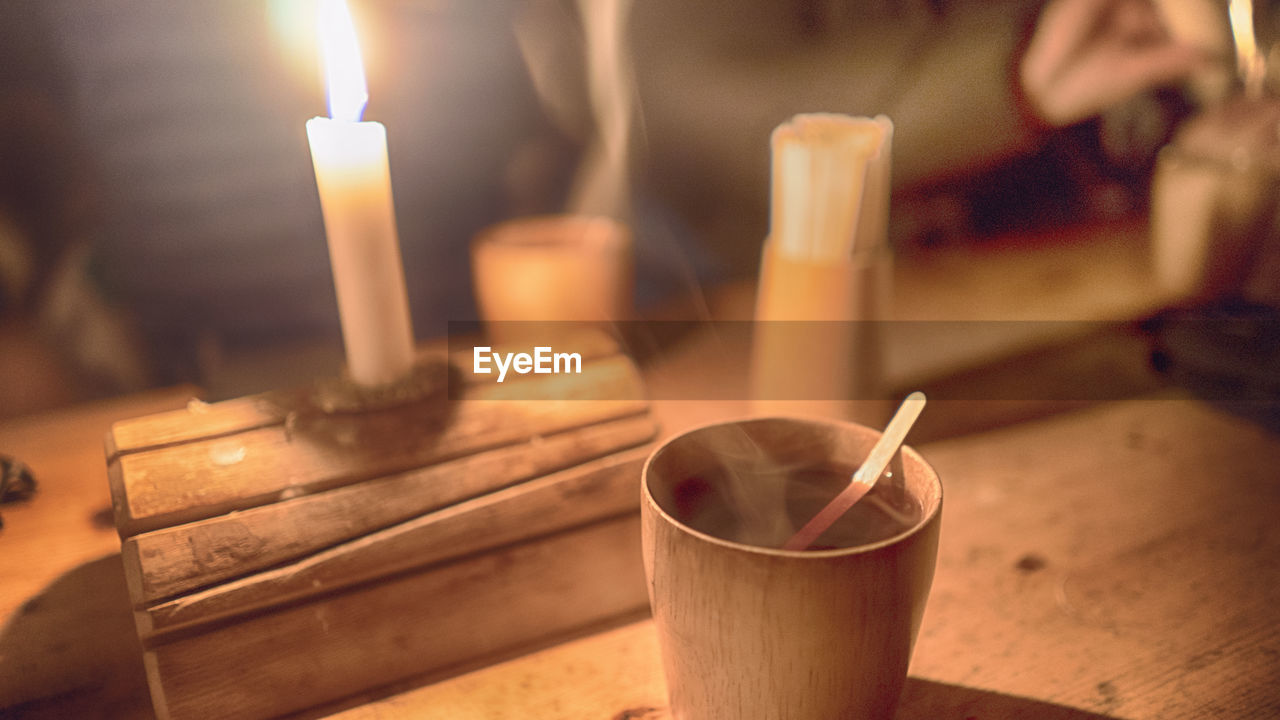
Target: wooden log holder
{"x": 280, "y": 556}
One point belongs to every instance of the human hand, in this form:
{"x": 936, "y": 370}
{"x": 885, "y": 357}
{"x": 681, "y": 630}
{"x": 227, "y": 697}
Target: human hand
{"x": 1087, "y": 55}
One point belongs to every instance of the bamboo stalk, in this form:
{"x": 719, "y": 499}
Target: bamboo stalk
{"x": 825, "y": 260}
{"x": 830, "y": 185}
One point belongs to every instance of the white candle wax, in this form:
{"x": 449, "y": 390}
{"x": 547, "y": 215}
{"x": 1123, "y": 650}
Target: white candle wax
{"x": 354, "y": 179}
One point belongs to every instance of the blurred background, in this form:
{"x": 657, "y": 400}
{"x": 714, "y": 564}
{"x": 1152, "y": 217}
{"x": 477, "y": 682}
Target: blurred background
{"x": 159, "y": 221}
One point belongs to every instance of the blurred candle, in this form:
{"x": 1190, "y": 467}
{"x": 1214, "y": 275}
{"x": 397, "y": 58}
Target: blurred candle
{"x": 354, "y": 180}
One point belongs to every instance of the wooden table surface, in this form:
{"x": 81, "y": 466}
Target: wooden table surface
{"x": 1115, "y": 560}
{"x": 1118, "y": 561}
{"x": 67, "y": 645}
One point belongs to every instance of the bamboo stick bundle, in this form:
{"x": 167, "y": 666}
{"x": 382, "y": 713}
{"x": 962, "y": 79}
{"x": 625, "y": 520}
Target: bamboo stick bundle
{"x": 830, "y": 182}
{"x": 824, "y": 272}
{"x": 280, "y": 556}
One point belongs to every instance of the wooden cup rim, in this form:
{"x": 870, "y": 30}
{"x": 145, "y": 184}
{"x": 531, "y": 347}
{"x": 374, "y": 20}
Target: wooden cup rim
{"x": 599, "y": 233}
{"x": 927, "y": 517}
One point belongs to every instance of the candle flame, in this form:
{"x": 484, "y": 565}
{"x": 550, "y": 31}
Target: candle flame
{"x": 343, "y": 67}
{"x": 1248, "y": 62}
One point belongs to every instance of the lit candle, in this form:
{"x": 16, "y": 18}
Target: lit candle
{"x": 354, "y": 180}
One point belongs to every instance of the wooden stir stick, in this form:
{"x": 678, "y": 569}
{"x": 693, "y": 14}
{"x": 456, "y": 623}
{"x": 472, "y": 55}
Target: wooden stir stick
{"x": 866, "y": 476}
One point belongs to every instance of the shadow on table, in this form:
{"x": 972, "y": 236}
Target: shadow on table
{"x": 929, "y": 700}
{"x": 72, "y": 651}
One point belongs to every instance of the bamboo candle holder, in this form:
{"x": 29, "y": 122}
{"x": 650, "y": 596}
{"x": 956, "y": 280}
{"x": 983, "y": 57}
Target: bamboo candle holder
{"x": 280, "y": 557}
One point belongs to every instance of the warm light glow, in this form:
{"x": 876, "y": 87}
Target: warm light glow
{"x": 343, "y": 68}
{"x": 1248, "y": 60}
{"x": 293, "y": 26}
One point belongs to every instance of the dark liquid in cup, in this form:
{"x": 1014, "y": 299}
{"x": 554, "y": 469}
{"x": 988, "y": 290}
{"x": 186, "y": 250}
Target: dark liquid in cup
{"x": 766, "y": 506}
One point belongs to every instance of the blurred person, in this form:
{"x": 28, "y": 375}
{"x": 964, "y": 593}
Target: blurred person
{"x": 1005, "y": 112}
{"x": 57, "y": 343}
{"x": 204, "y": 223}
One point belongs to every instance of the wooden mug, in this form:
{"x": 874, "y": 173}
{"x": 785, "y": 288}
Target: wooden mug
{"x": 818, "y": 342}
{"x": 748, "y": 631}
{"x": 553, "y": 268}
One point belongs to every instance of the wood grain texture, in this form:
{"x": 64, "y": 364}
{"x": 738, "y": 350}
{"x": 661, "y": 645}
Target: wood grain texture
{"x": 605, "y": 487}
{"x": 300, "y": 556}
{"x": 612, "y": 675}
{"x": 200, "y": 420}
{"x": 175, "y": 484}
{"x": 299, "y": 655}
{"x": 1126, "y": 556}
{"x": 178, "y": 560}
{"x": 750, "y": 631}
{"x": 1115, "y": 562}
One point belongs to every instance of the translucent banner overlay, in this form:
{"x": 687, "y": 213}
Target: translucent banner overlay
{"x": 1230, "y": 360}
